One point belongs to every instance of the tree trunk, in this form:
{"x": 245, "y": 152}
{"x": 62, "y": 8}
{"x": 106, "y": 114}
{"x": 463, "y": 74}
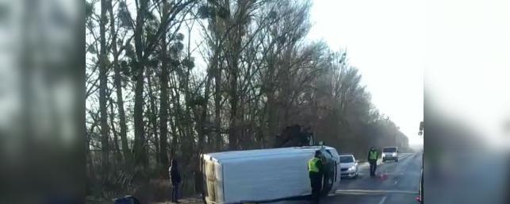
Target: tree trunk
{"x": 103, "y": 85}
{"x": 163, "y": 109}
{"x": 139, "y": 146}
{"x": 176, "y": 126}
{"x": 202, "y": 118}
{"x": 153, "y": 113}
{"x": 234, "y": 97}
{"x": 218, "y": 140}
{"x": 232, "y": 137}
{"x": 173, "y": 127}
{"x": 203, "y": 114}
{"x": 190, "y": 136}
{"x": 118, "y": 85}
{"x": 115, "y": 135}
{"x": 272, "y": 126}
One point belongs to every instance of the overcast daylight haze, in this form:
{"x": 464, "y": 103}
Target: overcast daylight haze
{"x": 385, "y": 43}
{"x": 393, "y": 43}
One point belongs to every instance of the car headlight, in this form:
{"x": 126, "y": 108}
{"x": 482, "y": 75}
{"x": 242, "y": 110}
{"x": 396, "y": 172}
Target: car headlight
{"x": 383, "y": 155}
{"x": 394, "y": 154}
{"x": 352, "y": 168}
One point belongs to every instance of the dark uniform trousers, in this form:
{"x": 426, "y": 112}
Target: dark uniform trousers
{"x": 316, "y": 181}
{"x": 373, "y": 167}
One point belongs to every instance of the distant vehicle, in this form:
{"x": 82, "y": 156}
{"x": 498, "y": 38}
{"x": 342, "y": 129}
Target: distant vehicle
{"x": 348, "y": 166}
{"x": 265, "y": 175}
{"x": 390, "y": 153}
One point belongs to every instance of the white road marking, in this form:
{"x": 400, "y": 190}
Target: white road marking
{"x": 401, "y": 174}
{"x": 382, "y": 200}
{"x": 360, "y": 191}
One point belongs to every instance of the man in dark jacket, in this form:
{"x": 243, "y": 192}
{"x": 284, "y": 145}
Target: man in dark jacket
{"x": 175, "y": 177}
{"x": 315, "y": 171}
{"x": 372, "y": 160}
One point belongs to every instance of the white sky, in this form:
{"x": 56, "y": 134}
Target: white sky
{"x": 392, "y": 42}
{"x": 383, "y": 41}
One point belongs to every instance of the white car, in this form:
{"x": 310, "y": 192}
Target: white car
{"x": 390, "y": 153}
{"x": 348, "y": 166}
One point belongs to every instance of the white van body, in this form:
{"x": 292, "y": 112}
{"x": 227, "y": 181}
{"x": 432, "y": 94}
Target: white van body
{"x": 263, "y": 174}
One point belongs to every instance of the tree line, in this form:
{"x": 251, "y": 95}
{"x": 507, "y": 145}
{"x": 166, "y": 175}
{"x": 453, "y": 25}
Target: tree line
{"x": 177, "y": 78}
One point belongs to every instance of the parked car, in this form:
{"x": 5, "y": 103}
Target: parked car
{"x": 390, "y": 153}
{"x": 348, "y": 166}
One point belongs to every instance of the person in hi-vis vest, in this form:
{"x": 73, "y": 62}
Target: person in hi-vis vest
{"x": 372, "y": 160}
{"x": 315, "y": 171}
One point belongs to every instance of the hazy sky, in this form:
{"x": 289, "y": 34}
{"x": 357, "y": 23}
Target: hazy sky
{"x": 464, "y": 46}
{"x": 383, "y": 41}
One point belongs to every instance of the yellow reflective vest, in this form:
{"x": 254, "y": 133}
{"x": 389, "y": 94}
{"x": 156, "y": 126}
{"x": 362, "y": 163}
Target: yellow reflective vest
{"x": 373, "y": 155}
{"x": 312, "y": 165}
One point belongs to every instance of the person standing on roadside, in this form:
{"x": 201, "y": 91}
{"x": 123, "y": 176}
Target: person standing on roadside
{"x": 175, "y": 177}
{"x": 372, "y": 160}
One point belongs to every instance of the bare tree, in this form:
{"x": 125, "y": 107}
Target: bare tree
{"x": 163, "y": 121}
{"x": 118, "y": 82}
{"x": 103, "y": 85}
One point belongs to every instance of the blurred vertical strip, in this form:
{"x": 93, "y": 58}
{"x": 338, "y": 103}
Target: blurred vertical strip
{"x": 42, "y": 142}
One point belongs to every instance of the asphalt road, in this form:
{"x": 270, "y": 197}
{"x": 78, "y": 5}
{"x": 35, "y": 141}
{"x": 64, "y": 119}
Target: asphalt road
{"x": 400, "y": 185}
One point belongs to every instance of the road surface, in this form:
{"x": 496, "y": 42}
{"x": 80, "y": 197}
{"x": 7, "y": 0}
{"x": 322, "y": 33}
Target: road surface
{"x": 399, "y": 186}
{"x": 402, "y": 182}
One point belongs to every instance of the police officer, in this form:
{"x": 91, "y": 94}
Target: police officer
{"x": 315, "y": 170}
{"x": 372, "y": 160}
